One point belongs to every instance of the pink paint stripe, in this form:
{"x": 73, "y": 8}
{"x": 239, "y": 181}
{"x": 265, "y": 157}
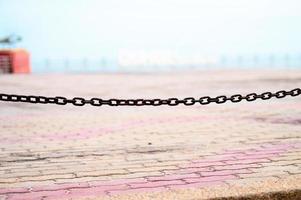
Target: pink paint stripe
{"x": 117, "y": 182}
{"x": 211, "y": 178}
{"x": 137, "y": 190}
{"x": 154, "y": 184}
{"x": 13, "y": 190}
{"x": 95, "y": 191}
{"x": 175, "y": 180}
{"x": 99, "y": 131}
{"x": 65, "y": 186}
{"x": 173, "y": 177}
{"x": 38, "y": 195}
{"x": 226, "y": 172}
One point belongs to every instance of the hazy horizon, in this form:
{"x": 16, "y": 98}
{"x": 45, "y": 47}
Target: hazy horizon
{"x": 95, "y": 28}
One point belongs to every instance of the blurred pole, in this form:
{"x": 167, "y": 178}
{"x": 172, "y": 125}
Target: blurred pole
{"x": 240, "y": 61}
{"x": 66, "y": 63}
{"x": 255, "y": 60}
{"x": 223, "y": 61}
{"x": 272, "y": 60}
{"x": 47, "y": 65}
{"x": 287, "y": 60}
{"x": 103, "y": 63}
{"x": 85, "y": 64}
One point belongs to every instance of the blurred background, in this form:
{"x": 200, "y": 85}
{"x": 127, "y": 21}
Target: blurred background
{"x": 150, "y": 36}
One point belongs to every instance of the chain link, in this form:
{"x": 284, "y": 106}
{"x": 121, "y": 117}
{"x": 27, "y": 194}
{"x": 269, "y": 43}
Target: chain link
{"x": 189, "y": 101}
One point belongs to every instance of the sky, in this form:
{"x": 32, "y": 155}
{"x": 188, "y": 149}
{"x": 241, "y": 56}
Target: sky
{"x": 92, "y": 28}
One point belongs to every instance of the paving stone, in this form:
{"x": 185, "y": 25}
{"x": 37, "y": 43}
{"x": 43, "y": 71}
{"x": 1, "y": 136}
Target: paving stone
{"x": 237, "y": 166}
{"x": 137, "y": 190}
{"x": 55, "y": 187}
{"x": 38, "y": 195}
{"x": 248, "y": 161}
{"x": 3, "y": 197}
{"x": 13, "y": 190}
{"x": 101, "y": 173}
{"x": 197, "y": 185}
{"x": 282, "y": 163}
{"x": 263, "y": 174}
{"x": 153, "y": 184}
{"x": 210, "y": 179}
{"x": 276, "y": 168}
{"x": 117, "y": 182}
{"x": 95, "y": 191}
{"x": 153, "y": 168}
{"x": 173, "y": 177}
{"x": 138, "y": 175}
{"x": 227, "y": 172}
{"x": 63, "y": 152}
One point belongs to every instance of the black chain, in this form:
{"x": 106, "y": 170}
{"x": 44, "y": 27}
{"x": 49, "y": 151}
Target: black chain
{"x": 189, "y": 101}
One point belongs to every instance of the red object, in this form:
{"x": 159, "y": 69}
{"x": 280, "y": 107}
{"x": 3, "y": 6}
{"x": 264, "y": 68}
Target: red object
{"x": 14, "y": 61}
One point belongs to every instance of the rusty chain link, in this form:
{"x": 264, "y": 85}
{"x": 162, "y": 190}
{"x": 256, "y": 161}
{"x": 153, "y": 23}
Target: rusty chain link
{"x": 189, "y": 101}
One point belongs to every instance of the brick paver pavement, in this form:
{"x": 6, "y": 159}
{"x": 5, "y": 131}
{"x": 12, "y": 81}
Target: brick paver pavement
{"x": 199, "y": 152}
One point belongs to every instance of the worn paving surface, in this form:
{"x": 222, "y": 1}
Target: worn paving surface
{"x": 250, "y": 150}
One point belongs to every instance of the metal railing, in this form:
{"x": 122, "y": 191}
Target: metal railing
{"x": 103, "y": 64}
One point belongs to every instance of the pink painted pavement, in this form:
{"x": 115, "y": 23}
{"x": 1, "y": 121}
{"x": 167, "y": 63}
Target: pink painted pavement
{"x": 65, "y": 152}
